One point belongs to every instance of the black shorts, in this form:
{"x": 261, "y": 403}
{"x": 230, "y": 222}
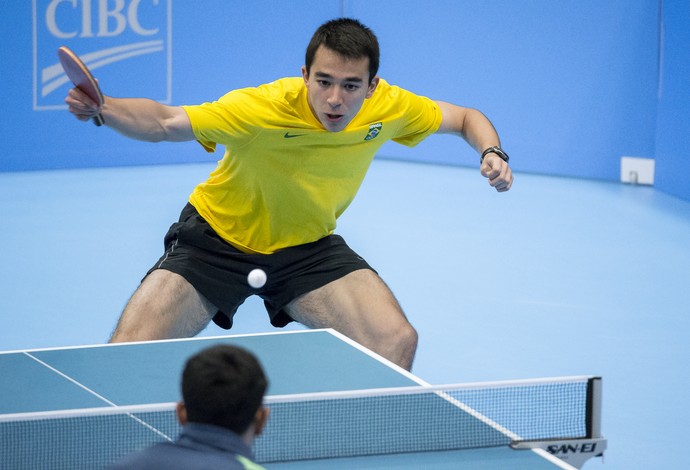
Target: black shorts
{"x": 219, "y": 271}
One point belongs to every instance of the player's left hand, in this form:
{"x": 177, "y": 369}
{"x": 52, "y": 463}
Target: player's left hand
{"x": 497, "y": 172}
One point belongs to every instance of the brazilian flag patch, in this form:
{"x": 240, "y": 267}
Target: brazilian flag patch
{"x": 374, "y": 130}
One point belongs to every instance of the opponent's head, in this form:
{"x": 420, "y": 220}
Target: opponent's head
{"x": 224, "y": 385}
{"x": 340, "y": 69}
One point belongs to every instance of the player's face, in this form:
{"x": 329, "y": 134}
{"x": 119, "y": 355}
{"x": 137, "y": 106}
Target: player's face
{"x": 337, "y": 87}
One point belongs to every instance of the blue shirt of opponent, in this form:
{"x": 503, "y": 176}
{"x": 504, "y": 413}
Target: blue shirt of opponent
{"x": 199, "y": 446}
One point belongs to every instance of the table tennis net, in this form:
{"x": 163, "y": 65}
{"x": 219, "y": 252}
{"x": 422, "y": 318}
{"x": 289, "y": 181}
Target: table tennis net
{"x": 323, "y": 425}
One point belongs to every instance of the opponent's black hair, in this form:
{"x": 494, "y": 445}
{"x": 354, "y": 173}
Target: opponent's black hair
{"x": 223, "y": 385}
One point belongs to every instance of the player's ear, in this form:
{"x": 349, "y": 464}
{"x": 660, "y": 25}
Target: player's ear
{"x": 372, "y": 86}
{"x": 305, "y": 74}
{"x": 260, "y": 420}
{"x": 181, "y": 411}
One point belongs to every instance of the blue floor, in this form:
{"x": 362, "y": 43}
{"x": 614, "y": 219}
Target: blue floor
{"x": 557, "y": 277}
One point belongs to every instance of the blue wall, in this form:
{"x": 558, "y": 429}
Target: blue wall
{"x": 673, "y": 135}
{"x": 571, "y": 85}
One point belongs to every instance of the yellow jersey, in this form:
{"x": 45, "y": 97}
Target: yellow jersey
{"x": 284, "y": 179}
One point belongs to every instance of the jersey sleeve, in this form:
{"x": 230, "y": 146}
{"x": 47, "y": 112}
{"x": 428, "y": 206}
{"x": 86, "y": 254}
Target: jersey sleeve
{"x": 422, "y": 117}
{"x": 225, "y": 121}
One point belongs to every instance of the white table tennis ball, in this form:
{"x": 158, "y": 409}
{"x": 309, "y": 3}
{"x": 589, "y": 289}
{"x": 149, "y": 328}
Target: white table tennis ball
{"x": 256, "y": 278}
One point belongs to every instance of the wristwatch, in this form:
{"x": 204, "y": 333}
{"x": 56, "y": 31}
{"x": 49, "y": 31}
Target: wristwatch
{"x": 498, "y": 151}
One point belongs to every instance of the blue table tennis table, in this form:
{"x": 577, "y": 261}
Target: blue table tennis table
{"x": 296, "y": 362}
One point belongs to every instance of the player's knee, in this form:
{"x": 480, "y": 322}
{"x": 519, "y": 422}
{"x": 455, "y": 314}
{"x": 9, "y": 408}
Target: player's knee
{"x": 409, "y": 338}
{"x": 402, "y": 345}
{"x": 403, "y": 338}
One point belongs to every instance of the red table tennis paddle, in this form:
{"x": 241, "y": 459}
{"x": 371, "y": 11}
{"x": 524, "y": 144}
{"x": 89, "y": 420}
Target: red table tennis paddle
{"x": 81, "y": 77}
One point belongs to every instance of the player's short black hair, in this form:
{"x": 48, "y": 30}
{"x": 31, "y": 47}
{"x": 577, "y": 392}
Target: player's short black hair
{"x": 223, "y": 385}
{"x": 349, "y": 38}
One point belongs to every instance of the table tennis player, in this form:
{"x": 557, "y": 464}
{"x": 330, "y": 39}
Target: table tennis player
{"x": 296, "y": 151}
{"x": 221, "y": 413}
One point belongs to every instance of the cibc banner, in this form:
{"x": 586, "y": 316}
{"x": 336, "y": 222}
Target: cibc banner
{"x": 128, "y": 38}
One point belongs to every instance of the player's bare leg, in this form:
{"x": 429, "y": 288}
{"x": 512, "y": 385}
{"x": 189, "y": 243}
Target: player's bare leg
{"x": 164, "y": 306}
{"x": 362, "y": 307}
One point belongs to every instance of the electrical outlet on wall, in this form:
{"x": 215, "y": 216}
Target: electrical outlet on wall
{"x": 636, "y": 170}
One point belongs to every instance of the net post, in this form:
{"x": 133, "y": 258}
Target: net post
{"x": 594, "y": 399}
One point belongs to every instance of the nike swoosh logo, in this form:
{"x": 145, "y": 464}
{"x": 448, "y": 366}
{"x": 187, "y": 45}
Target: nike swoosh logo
{"x": 290, "y": 136}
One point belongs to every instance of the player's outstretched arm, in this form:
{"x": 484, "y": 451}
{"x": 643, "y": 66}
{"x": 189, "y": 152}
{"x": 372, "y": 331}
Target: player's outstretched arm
{"x": 148, "y": 120}
{"x": 137, "y": 118}
{"x": 469, "y": 124}
{"x": 480, "y": 134}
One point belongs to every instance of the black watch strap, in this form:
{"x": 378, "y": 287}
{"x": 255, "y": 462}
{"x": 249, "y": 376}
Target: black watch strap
{"x": 498, "y": 151}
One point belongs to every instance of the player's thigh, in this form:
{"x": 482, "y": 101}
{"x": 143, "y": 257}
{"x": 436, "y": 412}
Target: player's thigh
{"x": 164, "y": 306}
{"x": 357, "y": 301}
